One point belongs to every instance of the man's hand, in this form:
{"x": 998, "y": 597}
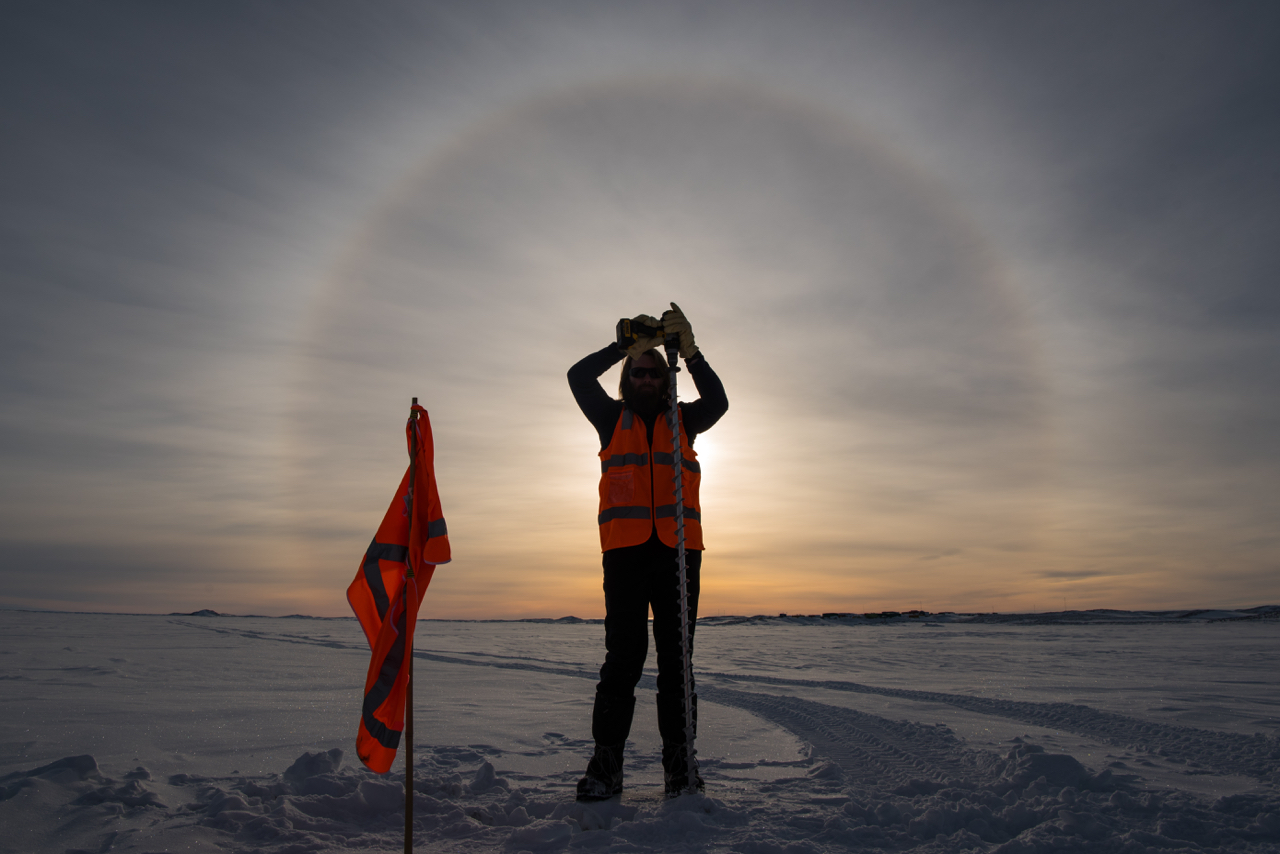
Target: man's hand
{"x": 674, "y": 321}
{"x": 636, "y": 350}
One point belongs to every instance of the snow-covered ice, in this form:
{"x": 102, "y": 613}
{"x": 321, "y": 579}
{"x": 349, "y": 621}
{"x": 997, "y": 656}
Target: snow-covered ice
{"x": 1098, "y": 731}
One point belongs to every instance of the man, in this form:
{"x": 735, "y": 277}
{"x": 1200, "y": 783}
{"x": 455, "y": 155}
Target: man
{"x": 637, "y": 536}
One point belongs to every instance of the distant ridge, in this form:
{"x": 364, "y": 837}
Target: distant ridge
{"x": 1091, "y": 617}
{"x": 209, "y": 612}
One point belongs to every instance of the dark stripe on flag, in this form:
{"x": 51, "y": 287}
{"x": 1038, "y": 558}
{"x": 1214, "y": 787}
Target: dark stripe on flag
{"x": 381, "y": 689}
{"x": 373, "y": 574}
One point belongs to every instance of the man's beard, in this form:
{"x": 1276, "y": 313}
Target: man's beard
{"x": 644, "y": 401}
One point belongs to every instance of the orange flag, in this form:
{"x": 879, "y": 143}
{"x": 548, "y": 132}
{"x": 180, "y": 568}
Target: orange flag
{"x": 385, "y": 594}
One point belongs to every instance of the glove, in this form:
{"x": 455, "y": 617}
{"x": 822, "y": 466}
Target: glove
{"x": 638, "y": 349}
{"x": 674, "y": 321}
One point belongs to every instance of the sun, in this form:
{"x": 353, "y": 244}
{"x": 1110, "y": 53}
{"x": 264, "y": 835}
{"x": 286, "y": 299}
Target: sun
{"x": 707, "y": 448}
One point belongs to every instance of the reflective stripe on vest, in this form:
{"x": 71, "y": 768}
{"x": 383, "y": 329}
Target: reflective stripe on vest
{"x": 629, "y": 460}
{"x": 668, "y": 511}
{"x": 636, "y": 486}
{"x": 630, "y": 512}
{"x": 670, "y": 460}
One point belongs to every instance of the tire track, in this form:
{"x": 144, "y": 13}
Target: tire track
{"x": 870, "y": 749}
{"x": 521, "y": 663}
{"x": 1227, "y": 752}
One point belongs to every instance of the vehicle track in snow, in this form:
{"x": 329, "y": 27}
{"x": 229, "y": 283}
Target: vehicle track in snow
{"x": 868, "y": 748}
{"x": 1225, "y": 752}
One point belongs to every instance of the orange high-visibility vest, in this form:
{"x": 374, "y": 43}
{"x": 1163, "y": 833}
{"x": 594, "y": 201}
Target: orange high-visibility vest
{"x": 637, "y": 488}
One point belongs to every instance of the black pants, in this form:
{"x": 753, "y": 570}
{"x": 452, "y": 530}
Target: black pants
{"x": 635, "y": 579}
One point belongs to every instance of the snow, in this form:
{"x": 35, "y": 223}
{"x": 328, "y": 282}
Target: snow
{"x": 1094, "y": 731}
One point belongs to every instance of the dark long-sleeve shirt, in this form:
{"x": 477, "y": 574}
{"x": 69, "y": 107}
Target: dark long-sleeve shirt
{"x": 603, "y": 411}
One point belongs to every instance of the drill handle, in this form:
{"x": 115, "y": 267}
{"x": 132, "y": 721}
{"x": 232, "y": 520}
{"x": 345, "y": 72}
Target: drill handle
{"x": 631, "y": 331}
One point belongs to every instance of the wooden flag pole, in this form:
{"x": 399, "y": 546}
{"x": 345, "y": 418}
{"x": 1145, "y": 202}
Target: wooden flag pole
{"x": 408, "y": 762}
{"x": 408, "y": 651}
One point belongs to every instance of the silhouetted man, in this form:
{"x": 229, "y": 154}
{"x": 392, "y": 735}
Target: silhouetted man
{"x": 638, "y": 538}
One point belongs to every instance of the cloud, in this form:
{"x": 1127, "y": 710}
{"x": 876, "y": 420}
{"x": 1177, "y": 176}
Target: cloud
{"x": 990, "y": 293}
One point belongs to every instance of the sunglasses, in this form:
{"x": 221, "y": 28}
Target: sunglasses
{"x": 641, "y": 373}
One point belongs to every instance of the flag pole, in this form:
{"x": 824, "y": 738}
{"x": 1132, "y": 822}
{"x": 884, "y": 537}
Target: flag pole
{"x": 408, "y": 651}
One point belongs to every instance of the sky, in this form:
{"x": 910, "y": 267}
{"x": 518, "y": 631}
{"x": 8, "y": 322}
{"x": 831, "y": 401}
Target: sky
{"x": 991, "y": 286}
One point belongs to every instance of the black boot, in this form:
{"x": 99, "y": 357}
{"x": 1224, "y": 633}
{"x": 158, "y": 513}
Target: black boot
{"x": 603, "y": 779}
{"x": 610, "y": 725}
{"x": 675, "y": 759}
{"x": 675, "y": 771}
